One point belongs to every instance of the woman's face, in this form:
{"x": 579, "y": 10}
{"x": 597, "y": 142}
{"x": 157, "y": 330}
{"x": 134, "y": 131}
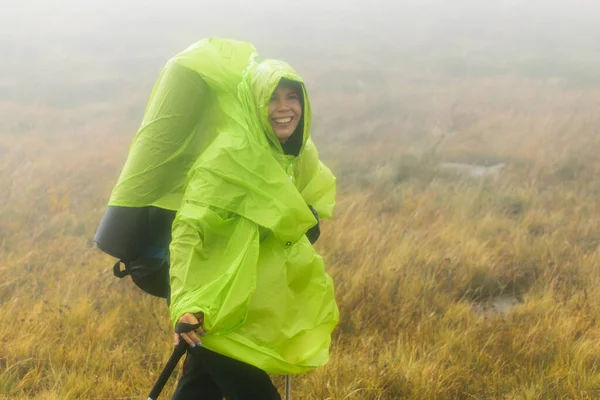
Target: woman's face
{"x": 285, "y": 110}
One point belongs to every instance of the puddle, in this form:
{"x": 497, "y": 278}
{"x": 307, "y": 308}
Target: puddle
{"x": 498, "y": 305}
{"x": 473, "y": 170}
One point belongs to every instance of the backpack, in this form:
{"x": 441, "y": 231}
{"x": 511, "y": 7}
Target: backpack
{"x": 139, "y": 238}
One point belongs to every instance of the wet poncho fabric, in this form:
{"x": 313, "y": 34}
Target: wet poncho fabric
{"x": 183, "y": 115}
{"x": 238, "y": 253}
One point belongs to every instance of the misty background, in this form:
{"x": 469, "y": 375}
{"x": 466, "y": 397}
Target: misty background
{"x": 96, "y": 49}
{"x": 423, "y": 258}
{"x": 399, "y": 74}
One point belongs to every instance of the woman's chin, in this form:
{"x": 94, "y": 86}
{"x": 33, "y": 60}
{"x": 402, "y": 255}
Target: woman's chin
{"x": 283, "y": 136}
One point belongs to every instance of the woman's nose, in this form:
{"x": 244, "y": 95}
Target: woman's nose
{"x": 283, "y": 104}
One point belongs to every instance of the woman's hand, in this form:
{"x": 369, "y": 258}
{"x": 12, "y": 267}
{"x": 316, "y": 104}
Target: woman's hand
{"x": 190, "y": 337}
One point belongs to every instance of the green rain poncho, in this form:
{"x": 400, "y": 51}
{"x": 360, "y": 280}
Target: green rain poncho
{"x": 239, "y": 253}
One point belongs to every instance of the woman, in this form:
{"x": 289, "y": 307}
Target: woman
{"x": 241, "y": 261}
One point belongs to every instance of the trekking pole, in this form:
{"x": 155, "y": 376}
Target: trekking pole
{"x": 178, "y": 352}
{"x": 288, "y": 387}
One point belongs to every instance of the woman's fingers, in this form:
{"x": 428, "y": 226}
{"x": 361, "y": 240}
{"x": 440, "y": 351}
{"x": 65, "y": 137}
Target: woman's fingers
{"x": 200, "y": 331}
{"x": 191, "y": 338}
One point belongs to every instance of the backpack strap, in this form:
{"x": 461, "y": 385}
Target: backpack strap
{"x": 118, "y": 272}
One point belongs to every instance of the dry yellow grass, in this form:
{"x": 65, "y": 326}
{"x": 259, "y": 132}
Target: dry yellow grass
{"x": 415, "y": 254}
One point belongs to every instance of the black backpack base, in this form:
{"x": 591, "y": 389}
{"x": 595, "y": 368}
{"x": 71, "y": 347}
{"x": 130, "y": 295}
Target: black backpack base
{"x": 139, "y": 237}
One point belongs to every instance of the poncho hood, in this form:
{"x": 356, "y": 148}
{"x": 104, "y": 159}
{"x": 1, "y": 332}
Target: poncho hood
{"x": 261, "y": 80}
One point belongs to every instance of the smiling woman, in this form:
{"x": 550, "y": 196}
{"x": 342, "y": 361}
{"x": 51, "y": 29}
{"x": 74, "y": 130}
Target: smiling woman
{"x": 243, "y": 269}
{"x": 244, "y": 189}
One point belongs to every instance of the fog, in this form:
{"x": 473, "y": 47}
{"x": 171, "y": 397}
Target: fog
{"x": 100, "y": 25}
{"x": 69, "y": 41}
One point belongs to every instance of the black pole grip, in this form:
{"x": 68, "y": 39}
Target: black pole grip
{"x": 182, "y": 327}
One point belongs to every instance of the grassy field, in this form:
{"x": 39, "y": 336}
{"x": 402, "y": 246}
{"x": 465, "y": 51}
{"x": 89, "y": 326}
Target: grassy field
{"x": 417, "y": 254}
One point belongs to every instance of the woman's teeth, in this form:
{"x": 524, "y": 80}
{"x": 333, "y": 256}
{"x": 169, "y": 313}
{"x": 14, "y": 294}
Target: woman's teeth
{"x": 283, "y": 121}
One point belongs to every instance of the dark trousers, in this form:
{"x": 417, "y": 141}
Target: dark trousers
{"x": 211, "y": 376}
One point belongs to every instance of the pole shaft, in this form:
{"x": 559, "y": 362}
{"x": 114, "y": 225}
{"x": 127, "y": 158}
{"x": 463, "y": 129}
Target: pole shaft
{"x": 288, "y": 387}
